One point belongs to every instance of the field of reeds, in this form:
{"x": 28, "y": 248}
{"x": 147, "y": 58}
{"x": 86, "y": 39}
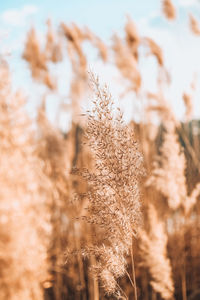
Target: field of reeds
{"x": 102, "y": 207}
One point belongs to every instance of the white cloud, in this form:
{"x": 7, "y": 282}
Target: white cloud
{"x": 181, "y": 54}
{"x": 187, "y": 3}
{"x": 17, "y": 17}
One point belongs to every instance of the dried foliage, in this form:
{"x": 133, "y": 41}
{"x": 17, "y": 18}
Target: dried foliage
{"x": 126, "y": 62}
{"x": 154, "y": 49}
{"x": 154, "y": 252}
{"x": 168, "y": 175}
{"x": 169, "y": 9}
{"x": 187, "y": 98}
{"x": 194, "y": 25}
{"x": 132, "y": 37}
{"x": 24, "y": 208}
{"x": 77, "y": 218}
{"x": 38, "y": 58}
{"x": 114, "y": 198}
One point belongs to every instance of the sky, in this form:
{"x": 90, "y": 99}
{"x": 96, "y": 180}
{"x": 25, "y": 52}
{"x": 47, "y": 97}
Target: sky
{"x": 104, "y": 17}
